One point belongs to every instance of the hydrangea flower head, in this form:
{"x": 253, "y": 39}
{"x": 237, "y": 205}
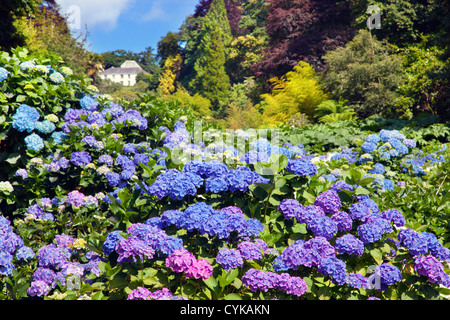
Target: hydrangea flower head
{"x": 34, "y": 142}
{"x": 289, "y": 208}
{"x": 329, "y": 201}
{"x": 229, "y": 258}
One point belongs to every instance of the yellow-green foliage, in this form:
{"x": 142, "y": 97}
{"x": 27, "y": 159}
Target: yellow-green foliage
{"x": 199, "y": 104}
{"x": 238, "y": 117}
{"x": 169, "y": 74}
{"x": 298, "y": 91}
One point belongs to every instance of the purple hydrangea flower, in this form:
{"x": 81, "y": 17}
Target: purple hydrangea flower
{"x": 140, "y": 293}
{"x": 132, "y": 248}
{"x": 430, "y": 267}
{"x": 257, "y": 280}
{"x": 199, "y": 269}
{"x": 289, "y": 208}
{"x": 343, "y": 221}
{"x": 395, "y": 216}
{"x": 180, "y": 260}
{"x": 249, "y": 250}
{"x": 329, "y": 201}
{"x": 229, "y": 258}
{"x": 80, "y": 158}
{"x": 38, "y": 288}
{"x": 75, "y": 198}
{"x": 51, "y": 256}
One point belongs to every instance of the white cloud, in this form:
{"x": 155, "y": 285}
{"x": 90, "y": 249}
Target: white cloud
{"x": 156, "y": 12}
{"x": 95, "y": 13}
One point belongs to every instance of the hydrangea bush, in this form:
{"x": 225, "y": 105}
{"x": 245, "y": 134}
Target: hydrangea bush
{"x": 115, "y": 200}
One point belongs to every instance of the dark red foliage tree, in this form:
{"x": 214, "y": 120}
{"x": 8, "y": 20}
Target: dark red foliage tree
{"x": 303, "y": 30}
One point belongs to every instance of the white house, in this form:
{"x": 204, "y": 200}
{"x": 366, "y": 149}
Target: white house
{"x": 125, "y": 75}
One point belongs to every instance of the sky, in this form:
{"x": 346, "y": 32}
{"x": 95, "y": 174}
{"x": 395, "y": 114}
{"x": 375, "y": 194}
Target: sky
{"x": 125, "y": 24}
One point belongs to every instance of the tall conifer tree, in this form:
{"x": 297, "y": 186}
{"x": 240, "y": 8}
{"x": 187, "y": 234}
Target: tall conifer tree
{"x": 210, "y": 78}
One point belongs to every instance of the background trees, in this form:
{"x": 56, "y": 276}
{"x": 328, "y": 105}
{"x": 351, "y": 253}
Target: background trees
{"x": 234, "y": 57}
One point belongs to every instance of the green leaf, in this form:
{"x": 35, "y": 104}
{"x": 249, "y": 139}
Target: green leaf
{"x": 232, "y": 296}
{"x": 377, "y": 255}
{"x": 212, "y": 284}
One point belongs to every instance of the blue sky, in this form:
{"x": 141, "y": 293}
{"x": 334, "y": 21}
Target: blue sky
{"x": 126, "y": 24}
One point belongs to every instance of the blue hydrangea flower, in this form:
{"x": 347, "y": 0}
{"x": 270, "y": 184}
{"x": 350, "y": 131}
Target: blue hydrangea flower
{"x": 374, "y": 138}
{"x": 389, "y": 274}
{"x": 301, "y": 167}
{"x": 34, "y": 142}
{"x": 56, "y": 77}
{"x": 349, "y": 244}
{"x": 58, "y": 136}
{"x": 6, "y": 265}
{"x": 45, "y": 127}
{"x": 252, "y": 228}
{"x": 335, "y": 268}
{"x": 323, "y": 226}
{"x": 25, "y": 118}
{"x": 24, "y": 253}
{"x": 80, "y": 158}
{"x": 216, "y": 185}
{"x": 369, "y": 232}
{"x": 110, "y": 244}
{"x": 89, "y": 103}
{"x": 378, "y": 168}
{"x": 416, "y": 244}
{"x": 368, "y": 147}
{"x": 409, "y": 143}
{"x": 3, "y": 74}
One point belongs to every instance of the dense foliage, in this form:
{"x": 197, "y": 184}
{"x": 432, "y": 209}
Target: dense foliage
{"x": 139, "y": 200}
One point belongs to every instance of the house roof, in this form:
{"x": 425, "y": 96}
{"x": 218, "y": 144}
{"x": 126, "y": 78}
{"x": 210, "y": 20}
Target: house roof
{"x": 128, "y": 67}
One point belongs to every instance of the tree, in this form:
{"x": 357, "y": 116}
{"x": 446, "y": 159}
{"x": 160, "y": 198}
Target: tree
{"x": 169, "y": 45}
{"x": 11, "y": 10}
{"x": 303, "y": 30}
{"x": 366, "y": 73}
{"x": 211, "y": 80}
{"x": 47, "y": 32}
{"x": 169, "y": 74}
{"x": 297, "y": 92}
{"x": 233, "y": 12}
{"x": 212, "y": 37}
{"x": 402, "y": 21}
